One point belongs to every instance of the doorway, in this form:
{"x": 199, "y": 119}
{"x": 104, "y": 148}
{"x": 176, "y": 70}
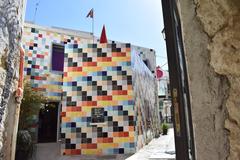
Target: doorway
{"x": 48, "y": 122}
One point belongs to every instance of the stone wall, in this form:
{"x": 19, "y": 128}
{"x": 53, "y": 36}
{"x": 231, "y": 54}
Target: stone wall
{"x": 211, "y": 40}
{"x": 11, "y": 20}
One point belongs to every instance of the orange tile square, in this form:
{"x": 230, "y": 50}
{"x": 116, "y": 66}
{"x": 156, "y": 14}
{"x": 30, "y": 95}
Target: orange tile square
{"x": 67, "y": 152}
{"x": 92, "y": 146}
{"x": 100, "y": 140}
{"x": 131, "y": 128}
{"x": 75, "y": 151}
{"x": 63, "y": 114}
{"x": 126, "y": 134}
{"x": 115, "y": 134}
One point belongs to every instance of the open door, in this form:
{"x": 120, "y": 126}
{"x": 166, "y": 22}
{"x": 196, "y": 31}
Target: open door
{"x": 184, "y": 140}
{"x": 48, "y": 118}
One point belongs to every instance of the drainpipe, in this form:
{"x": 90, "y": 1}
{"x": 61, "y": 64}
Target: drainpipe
{"x": 18, "y": 98}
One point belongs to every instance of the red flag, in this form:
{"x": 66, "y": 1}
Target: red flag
{"x": 90, "y": 14}
{"x": 103, "y": 38}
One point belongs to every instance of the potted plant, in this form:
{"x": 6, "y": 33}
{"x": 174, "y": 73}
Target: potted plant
{"x": 164, "y": 129}
{"x": 24, "y": 147}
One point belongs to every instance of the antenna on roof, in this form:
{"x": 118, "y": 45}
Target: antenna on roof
{"x": 35, "y": 13}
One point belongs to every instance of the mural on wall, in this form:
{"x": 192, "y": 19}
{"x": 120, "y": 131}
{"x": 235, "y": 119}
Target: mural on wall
{"x": 145, "y": 97}
{"x": 97, "y": 107}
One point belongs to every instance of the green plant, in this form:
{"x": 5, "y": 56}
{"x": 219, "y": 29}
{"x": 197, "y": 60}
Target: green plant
{"x": 24, "y": 147}
{"x": 164, "y": 128}
{"x": 30, "y": 106}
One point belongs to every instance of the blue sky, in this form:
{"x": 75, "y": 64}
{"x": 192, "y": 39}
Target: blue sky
{"x": 138, "y": 22}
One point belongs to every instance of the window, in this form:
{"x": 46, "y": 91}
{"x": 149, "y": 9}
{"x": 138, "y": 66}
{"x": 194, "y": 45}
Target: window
{"x": 57, "y": 57}
{"x": 97, "y": 115}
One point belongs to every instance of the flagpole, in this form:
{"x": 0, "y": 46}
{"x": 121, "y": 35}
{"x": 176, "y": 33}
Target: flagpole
{"x": 93, "y": 25}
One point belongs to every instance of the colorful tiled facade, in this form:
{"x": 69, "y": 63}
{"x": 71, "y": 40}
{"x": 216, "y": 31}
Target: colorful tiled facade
{"x": 101, "y": 79}
{"x": 37, "y": 44}
{"x": 106, "y": 92}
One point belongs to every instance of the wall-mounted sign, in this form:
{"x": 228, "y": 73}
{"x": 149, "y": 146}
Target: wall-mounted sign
{"x": 97, "y": 115}
{"x": 176, "y": 112}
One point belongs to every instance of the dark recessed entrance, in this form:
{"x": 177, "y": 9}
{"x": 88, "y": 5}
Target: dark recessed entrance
{"x": 48, "y": 118}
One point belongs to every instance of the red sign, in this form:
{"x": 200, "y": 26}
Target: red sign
{"x": 159, "y": 73}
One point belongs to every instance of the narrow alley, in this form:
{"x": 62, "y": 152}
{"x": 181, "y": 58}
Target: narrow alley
{"x": 162, "y": 148}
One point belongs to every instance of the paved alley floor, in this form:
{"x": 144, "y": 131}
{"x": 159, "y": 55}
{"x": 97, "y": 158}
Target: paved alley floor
{"x": 162, "y": 148}
{"x": 114, "y": 157}
{"x": 157, "y": 149}
{"x": 50, "y": 151}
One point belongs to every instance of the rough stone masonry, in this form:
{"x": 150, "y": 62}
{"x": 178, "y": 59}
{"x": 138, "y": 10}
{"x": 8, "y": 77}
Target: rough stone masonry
{"x": 211, "y": 31}
{"x": 11, "y": 22}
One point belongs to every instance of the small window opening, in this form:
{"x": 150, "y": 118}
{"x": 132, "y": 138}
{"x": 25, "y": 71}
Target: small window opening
{"x": 57, "y": 57}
